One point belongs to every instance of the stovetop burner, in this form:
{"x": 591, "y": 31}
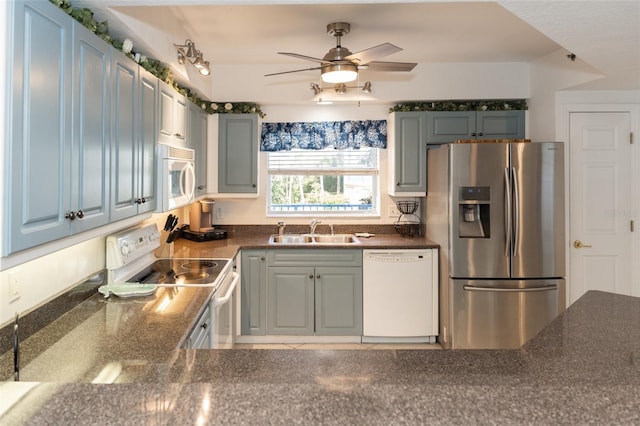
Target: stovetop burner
{"x": 199, "y": 265}
{"x": 187, "y": 271}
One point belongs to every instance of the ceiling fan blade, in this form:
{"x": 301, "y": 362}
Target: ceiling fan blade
{"x": 390, "y": 66}
{"x": 307, "y": 58}
{"x": 372, "y": 53}
{"x": 289, "y": 72}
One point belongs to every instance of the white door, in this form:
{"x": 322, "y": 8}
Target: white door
{"x": 600, "y": 203}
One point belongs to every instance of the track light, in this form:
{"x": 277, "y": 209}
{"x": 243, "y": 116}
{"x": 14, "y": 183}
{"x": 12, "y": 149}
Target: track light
{"x": 188, "y": 52}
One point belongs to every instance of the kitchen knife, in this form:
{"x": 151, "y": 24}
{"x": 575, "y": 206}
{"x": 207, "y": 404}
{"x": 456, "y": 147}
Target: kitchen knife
{"x": 167, "y": 224}
{"x": 174, "y": 223}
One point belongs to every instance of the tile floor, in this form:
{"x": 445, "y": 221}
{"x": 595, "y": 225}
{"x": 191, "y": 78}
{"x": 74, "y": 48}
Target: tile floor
{"x": 339, "y": 346}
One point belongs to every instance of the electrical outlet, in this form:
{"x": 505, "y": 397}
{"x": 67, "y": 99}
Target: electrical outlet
{"x": 393, "y": 211}
{"x": 219, "y": 213}
{"x": 14, "y": 287}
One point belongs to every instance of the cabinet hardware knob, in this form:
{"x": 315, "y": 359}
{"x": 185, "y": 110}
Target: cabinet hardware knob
{"x": 200, "y": 187}
{"x": 480, "y": 134}
{"x": 318, "y": 276}
{"x": 80, "y": 214}
{"x": 204, "y": 325}
{"x": 178, "y": 135}
{"x": 138, "y": 201}
{"x": 474, "y": 134}
{"x": 254, "y": 185}
{"x": 310, "y": 277}
{"x": 144, "y": 200}
{"x": 262, "y": 258}
{"x": 397, "y": 183}
{"x": 70, "y": 216}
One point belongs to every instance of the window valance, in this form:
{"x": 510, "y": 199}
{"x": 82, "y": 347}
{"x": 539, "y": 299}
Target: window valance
{"x": 325, "y": 134}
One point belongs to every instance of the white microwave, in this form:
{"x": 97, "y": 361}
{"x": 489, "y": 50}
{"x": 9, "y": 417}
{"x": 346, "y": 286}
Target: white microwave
{"x": 176, "y": 178}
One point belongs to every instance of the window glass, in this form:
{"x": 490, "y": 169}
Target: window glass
{"x": 328, "y": 182}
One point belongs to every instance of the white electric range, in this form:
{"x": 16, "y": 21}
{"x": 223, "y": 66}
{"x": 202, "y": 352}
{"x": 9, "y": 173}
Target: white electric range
{"x": 130, "y": 260}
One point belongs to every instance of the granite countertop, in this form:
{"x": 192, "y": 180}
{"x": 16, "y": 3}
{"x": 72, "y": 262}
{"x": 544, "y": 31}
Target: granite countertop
{"x": 228, "y": 248}
{"x": 583, "y": 368}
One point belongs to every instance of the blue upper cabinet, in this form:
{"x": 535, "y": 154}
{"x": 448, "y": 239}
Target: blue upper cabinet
{"x": 450, "y": 126}
{"x": 91, "y": 131}
{"x": 407, "y": 154}
{"x": 81, "y": 130}
{"x": 38, "y": 160}
{"x": 238, "y": 154}
{"x": 133, "y": 138}
{"x": 198, "y": 141}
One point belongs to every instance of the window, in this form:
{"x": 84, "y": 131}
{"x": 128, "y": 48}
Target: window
{"x": 327, "y": 182}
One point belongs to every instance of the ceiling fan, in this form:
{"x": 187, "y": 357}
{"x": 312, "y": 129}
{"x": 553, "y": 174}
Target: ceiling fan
{"x": 339, "y": 65}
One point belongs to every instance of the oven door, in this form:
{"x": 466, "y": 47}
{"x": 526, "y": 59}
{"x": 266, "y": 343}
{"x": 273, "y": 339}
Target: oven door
{"x": 223, "y": 313}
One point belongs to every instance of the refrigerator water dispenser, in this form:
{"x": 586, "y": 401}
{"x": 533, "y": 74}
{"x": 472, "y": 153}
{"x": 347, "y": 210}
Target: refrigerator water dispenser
{"x": 474, "y": 217}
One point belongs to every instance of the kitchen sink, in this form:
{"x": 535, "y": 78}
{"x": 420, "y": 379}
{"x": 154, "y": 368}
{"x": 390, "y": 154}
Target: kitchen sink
{"x": 313, "y": 239}
{"x": 335, "y": 239}
{"x": 291, "y": 239}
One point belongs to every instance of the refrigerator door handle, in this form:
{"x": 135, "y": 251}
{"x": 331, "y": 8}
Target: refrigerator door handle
{"x": 510, "y": 290}
{"x": 507, "y": 212}
{"x": 516, "y": 213}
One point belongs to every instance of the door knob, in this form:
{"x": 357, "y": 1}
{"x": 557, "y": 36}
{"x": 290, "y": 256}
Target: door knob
{"x": 580, "y": 244}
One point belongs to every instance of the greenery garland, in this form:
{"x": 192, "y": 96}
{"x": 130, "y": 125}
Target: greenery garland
{"x": 85, "y": 17}
{"x": 482, "y": 105}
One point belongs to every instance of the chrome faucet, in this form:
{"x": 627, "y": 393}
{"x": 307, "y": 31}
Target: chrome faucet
{"x": 281, "y": 226}
{"x": 314, "y": 224}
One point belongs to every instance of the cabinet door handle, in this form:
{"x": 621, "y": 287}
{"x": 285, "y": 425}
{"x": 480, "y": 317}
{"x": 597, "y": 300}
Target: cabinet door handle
{"x": 80, "y": 214}
{"x": 70, "y": 216}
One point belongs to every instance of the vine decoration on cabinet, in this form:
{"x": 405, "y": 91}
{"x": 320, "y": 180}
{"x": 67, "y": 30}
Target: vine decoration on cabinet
{"x": 85, "y": 16}
{"x": 478, "y": 105}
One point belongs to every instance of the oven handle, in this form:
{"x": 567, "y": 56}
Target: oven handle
{"x": 222, "y": 300}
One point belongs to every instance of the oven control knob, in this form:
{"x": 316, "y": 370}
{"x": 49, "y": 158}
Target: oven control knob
{"x": 125, "y": 248}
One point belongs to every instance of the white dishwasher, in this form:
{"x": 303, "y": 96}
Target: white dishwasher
{"x": 400, "y": 295}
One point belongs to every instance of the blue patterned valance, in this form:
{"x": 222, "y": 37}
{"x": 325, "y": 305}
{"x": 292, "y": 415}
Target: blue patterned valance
{"x": 325, "y": 134}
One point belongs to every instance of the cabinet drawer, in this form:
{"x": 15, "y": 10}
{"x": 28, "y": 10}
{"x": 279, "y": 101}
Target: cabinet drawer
{"x": 314, "y": 257}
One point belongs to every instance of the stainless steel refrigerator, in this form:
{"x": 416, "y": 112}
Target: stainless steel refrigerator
{"x": 497, "y": 211}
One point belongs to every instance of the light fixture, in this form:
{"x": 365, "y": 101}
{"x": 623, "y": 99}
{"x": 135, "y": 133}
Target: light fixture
{"x": 339, "y": 73}
{"x": 316, "y": 89}
{"x": 188, "y": 52}
{"x": 341, "y": 88}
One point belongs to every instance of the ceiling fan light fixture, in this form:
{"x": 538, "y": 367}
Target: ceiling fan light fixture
{"x": 316, "y": 88}
{"x": 339, "y": 73}
{"x": 367, "y": 87}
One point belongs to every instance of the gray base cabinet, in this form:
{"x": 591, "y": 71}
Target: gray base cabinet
{"x": 338, "y": 301}
{"x": 253, "y": 290}
{"x": 290, "y": 300}
{"x": 301, "y": 292}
